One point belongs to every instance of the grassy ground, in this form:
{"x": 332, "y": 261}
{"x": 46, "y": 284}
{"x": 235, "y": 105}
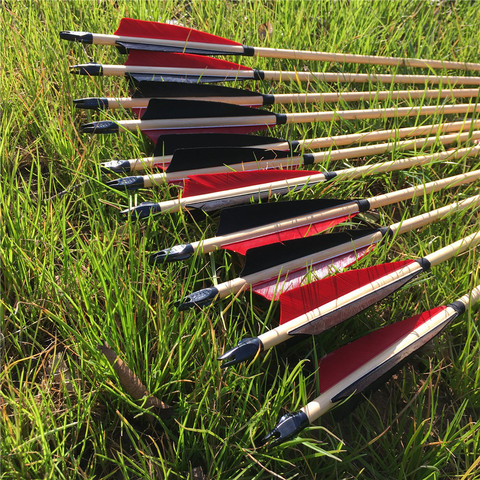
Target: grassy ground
{"x": 75, "y": 275}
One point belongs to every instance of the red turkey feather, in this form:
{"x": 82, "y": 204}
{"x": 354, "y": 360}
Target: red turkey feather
{"x": 299, "y": 301}
{"x": 179, "y": 60}
{"x": 215, "y": 182}
{"x": 129, "y": 27}
{"x": 342, "y": 362}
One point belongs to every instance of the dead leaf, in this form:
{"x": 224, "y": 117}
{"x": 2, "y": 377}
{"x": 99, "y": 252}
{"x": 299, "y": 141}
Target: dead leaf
{"x": 265, "y": 30}
{"x": 131, "y": 383}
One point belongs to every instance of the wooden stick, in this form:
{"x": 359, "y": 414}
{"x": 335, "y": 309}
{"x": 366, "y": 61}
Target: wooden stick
{"x": 122, "y": 70}
{"x": 316, "y": 157}
{"x": 302, "y": 98}
{"x": 214, "y": 243}
{"x": 294, "y": 118}
{"x": 138, "y": 164}
{"x": 265, "y": 190}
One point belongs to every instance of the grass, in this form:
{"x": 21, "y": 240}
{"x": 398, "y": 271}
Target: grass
{"x": 75, "y": 275}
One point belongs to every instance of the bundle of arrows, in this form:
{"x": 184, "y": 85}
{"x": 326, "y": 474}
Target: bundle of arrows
{"x": 203, "y": 142}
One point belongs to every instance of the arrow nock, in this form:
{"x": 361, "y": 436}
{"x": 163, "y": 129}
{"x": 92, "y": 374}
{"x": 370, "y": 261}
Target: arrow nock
{"x": 142, "y": 210}
{"x": 126, "y": 183}
{"x": 246, "y": 349}
{"x": 178, "y": 252}
{"x": 117, "y": 166}
{"x": 287, "y": 427}
{"x": 104, "y": 126}
{"x": 201, "y": 298}
{"x": 72, "y": 36}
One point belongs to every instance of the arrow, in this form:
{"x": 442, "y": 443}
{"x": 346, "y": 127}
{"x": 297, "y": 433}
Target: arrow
{"x": 168, "y": 144}
{"x": 182, "y": 67}
{"x": 273, "y": 269}
{"x": 250, "y": 226}
{"x": 210, "y": 192}
{"x": 153, "y": 36}
{"x": 184, "y": 116}
{"x": 351, "y": 369}
{"x": 145, "y": 91}
{"x": 188, "y": 162}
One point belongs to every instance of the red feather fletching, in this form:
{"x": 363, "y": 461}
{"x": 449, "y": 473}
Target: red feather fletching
{"x": 130, "y": 27}
{"x": 275, "y": 288}
{"x": 179, "y": 60}
{"x": 215, "y": 182}
{"x": 309, "y": 297}
{"x": 342, "y": 362}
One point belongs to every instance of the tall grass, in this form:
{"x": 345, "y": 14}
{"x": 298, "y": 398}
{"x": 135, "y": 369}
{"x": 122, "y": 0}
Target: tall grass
{"x": 75, "y": 274}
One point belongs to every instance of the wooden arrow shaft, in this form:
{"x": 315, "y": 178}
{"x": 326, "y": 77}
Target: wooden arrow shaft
{"x": 101, "y": 39}
{"x": 237, "y": 284}
{"x": 302, "y": 98}
{"x": 282, "y": 332}
{"x": 121, "y": 70}
{"x": 214, "y": 243}
{"x": 363, "y": 59}
{"x": 293, "y": 118}
{"x": 454, "y": 249}
{"x": 333, "y": 141}
{"x": 265, "y": 190}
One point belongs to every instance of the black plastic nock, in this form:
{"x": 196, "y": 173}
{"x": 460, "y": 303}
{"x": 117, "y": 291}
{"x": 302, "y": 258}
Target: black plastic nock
{"x": 173, "y": 254}
{"x": 105, "y": 126}
{"x": 83, "y": 37}
{"x": 118, "y": 166}
{"x": 201, "y": 298}
{"x": 245, "y": 349}
{"x": 126, "y": 183}
{"x": 287, "y": 427}
{"x": 142, "y": 210}
{"x": 92, "y": 103}
{"x": 92, "y": 69}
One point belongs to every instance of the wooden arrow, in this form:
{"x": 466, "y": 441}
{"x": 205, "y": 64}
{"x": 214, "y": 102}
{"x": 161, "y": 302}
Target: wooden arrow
{"x": 274, "y": 269}
{"x": 180, "y": 67}
{"x": 250, "y": 226}
{"x": 135, "y": 34}
{"x": 351, "y": 369}
{"x": 188, "y": 162}
{"x": 169, "y": 144}
{"x": 184, "y": 116}
{"x": 145, "y": 91}
{"x": 214, "y": 191}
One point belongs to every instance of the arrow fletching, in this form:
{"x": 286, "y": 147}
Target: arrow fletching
{"x": 208, "y": 157}
{"x": 209, "y": 183}
{"x": 143, "y": 29}
{"x": 268, "y": 256}
{"x": 168, "y": 109}
{"x": 308, "y": 298}
{"x": 209, "y": 66}
{"x": 239, "y": 218}
{"x": 347, "y": 359}
{"x": 152, "y": 89}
